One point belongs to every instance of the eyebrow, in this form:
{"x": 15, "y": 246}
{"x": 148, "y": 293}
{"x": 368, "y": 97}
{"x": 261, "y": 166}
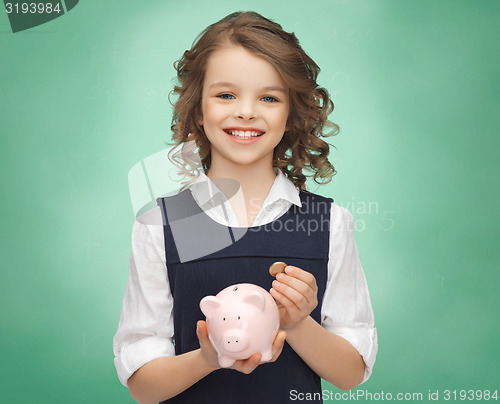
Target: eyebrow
{"x": 268, "y": 88}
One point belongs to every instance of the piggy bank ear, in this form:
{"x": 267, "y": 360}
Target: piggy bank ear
{"x": 255, "y": 299}
{"x": 209, "y": 304}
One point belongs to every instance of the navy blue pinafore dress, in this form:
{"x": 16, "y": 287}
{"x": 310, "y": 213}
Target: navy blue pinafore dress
{"x": 203, "y": 257}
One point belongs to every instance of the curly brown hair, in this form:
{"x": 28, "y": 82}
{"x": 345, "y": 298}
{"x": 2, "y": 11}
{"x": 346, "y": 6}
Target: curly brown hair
{"x": 310, "y": 105}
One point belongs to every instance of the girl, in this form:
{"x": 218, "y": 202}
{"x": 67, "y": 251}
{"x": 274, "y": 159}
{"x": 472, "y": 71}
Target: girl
{"x": 249, "y": 100}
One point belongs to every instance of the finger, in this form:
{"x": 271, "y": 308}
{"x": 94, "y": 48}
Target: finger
{"x": 278, "y": 344}
{"x": 298, "y": 285}
{"x": 280, "y": 338}
{"x": 278, "y": 304}
{"x": 304, "y": 276}
{"x": 279, "y": 341}
{"x": 202, "y": 334}
{"x": 296, "y": 298}
{"x": 291, "y": 308}
{"x": 201, "y": 329}
{"x": 247, "y": 366}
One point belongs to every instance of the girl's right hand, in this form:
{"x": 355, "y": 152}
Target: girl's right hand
{"x": 207, "y": 350}
{"x": 246, "y": 366}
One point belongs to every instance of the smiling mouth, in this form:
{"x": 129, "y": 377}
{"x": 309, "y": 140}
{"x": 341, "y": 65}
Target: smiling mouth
{"x": 243, "y": 134}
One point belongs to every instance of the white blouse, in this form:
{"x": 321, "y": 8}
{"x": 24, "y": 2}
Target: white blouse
{"x": 146, "y": 326}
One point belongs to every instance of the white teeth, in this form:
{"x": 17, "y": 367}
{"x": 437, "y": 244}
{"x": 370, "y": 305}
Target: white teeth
{"x": 243, "y": 134}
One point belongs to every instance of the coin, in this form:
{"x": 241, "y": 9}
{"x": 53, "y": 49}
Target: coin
{"x": 276, "y": 268}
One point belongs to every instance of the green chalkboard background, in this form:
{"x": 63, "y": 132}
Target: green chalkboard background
{"x": 83, "y": 98}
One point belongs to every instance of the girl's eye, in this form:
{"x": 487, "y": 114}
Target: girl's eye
{"x": 269, "y": 98}
{"x": 225, "y": 96}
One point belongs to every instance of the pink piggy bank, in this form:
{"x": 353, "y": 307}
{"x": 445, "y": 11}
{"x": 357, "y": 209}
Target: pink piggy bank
{"x": 242, "y": 320}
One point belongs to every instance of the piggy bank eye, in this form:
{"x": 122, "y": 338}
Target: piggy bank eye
{"x": 223, "y": 318}
{"x": 238, "y": 317}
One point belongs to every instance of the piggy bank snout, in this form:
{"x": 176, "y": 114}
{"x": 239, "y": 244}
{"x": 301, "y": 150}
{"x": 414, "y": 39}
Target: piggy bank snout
{"x": 235, "y": 341}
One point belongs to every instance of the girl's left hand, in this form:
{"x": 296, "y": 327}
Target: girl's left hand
{"x": 296, "y": 293}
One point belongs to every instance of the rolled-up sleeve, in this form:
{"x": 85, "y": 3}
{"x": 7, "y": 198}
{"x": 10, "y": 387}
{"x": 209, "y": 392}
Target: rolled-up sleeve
{"x": 346, "y": 308}
{"x": 145, "y": 330}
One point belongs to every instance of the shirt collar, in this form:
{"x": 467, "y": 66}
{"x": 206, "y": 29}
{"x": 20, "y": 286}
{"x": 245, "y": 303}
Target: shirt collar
{"x": 283, "y": 188}
{"x": 205, "y": 191}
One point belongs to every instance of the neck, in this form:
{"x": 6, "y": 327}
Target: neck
{"x": 255, "y": 181}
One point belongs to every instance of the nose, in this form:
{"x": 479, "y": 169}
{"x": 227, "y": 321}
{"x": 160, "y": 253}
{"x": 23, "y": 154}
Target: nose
{"x": 232, "y": 342}
{"x": 235, "y": 341}
{"x": 246, "y": 110}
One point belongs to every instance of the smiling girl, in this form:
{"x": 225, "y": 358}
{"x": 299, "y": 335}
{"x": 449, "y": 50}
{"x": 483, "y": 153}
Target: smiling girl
{"x": 249, "y": 99}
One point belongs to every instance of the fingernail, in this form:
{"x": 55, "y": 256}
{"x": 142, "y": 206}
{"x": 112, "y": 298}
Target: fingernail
{"x": 280, "y": 276}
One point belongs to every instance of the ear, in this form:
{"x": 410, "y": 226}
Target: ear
{"x": 209, "y": 304}
{"x": 255, "y": 299}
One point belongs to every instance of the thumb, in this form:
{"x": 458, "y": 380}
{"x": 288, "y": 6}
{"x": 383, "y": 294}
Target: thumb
{"x": 201, "y": 330}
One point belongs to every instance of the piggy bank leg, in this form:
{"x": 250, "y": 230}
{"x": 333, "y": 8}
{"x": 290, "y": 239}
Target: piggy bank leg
{"x": 267, "y": 355}
{"x": 226, "y": 361}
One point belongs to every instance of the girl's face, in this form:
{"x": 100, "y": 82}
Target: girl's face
{"x": 243, "y": 96}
